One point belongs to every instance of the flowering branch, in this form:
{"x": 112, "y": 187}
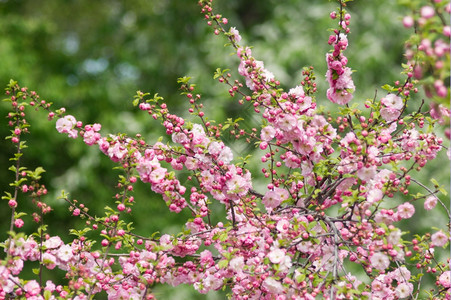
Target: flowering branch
{"x": 334, "y": 190}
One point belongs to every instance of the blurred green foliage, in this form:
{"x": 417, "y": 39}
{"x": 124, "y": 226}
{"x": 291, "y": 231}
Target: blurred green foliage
{"x": 91, "y": 57}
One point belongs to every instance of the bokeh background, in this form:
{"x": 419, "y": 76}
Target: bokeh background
{"x": 92, "y": 56}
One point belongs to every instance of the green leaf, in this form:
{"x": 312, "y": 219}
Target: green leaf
{"x": 388, "y": 88}
{"x": 323, "y": 225}
{"x": 300, "y": 278}
{"x": 183, "y": 80}
{"x": 217, "y": 73}
{"x": 36, "y": 174}
{"x": 223, "y": 263}
{"x": 311, "y": 225}
{"x": 18, "y": 182}
{"x": 47, "y": 294}
{"x": 435, "y": 182}
{"x": 223, "y": 236}
{"x": 63, "y": 195}
{"x": 227, "y": 255}
{"x": 18, "y": 215}
{"x": 16, "y": 156}
{"x": 12, "y": 83}
{"x": 7, "y": 197}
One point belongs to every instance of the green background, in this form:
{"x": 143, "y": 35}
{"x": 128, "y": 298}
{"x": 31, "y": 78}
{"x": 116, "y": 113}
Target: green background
{"x": 92, "y": 56}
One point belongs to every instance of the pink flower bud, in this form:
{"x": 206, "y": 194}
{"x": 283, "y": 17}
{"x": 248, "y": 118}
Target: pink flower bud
{"x": 18, "y": 223}
{"x": 407, "y": 21}
{"x": 427, "y": 12}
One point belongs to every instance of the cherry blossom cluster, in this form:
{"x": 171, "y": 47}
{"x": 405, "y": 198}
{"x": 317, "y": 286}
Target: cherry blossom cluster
{"x": 428, "y": 52}
{"x": 341, "y": 86}
{"x": 432, "y": 48}
{"x": 336, "y": 190}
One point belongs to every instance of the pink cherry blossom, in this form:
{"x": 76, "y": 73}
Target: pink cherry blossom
{"x": 226, "y": 155}
{"x": 430, "y": 202}
{"x": 236, "y": 35}
{"x": 374, "y": 195}
{"x": 390, "y": 114}
{"x": 286, "y": 122}
{"x": 367, "y": 173}
{"x": 406, "y": 210}
{"x": 117, "y": 151}
{"x": 49, "y": 286}
{"x": 267, "y": 133}
{"x": 179, "y": 138}
{"x": 296, "y": 92}
{"x": 49, "y": 260}
{"x": 274, "y": 198}
{"x": 157, "y": 175}
{"x": 32, "y": 288}
{"x": 66, "y": 125}
{"x": 276, "y": 256}
{"x": 344, "y": 82}
{"x": 283, "y": 225}
{"x": 394, "y": 236}
{"x": 53, "y": 242}
{"x": 379, "y": 261}
{"x": 91, "y": 135}
{"x": 272, "y": 285}
{"x": 403, "y": 290}
{"x": 341, "y": 97}
{"x": 65, "y": 253}
{"x": 237, "y": 263}
{"x": 439, "y": 239}
{"x": 392, "y": 101}
{"x": 214, "y": 148}
{"x": 445, "y": 279}
{"x": 271, "y": 199}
